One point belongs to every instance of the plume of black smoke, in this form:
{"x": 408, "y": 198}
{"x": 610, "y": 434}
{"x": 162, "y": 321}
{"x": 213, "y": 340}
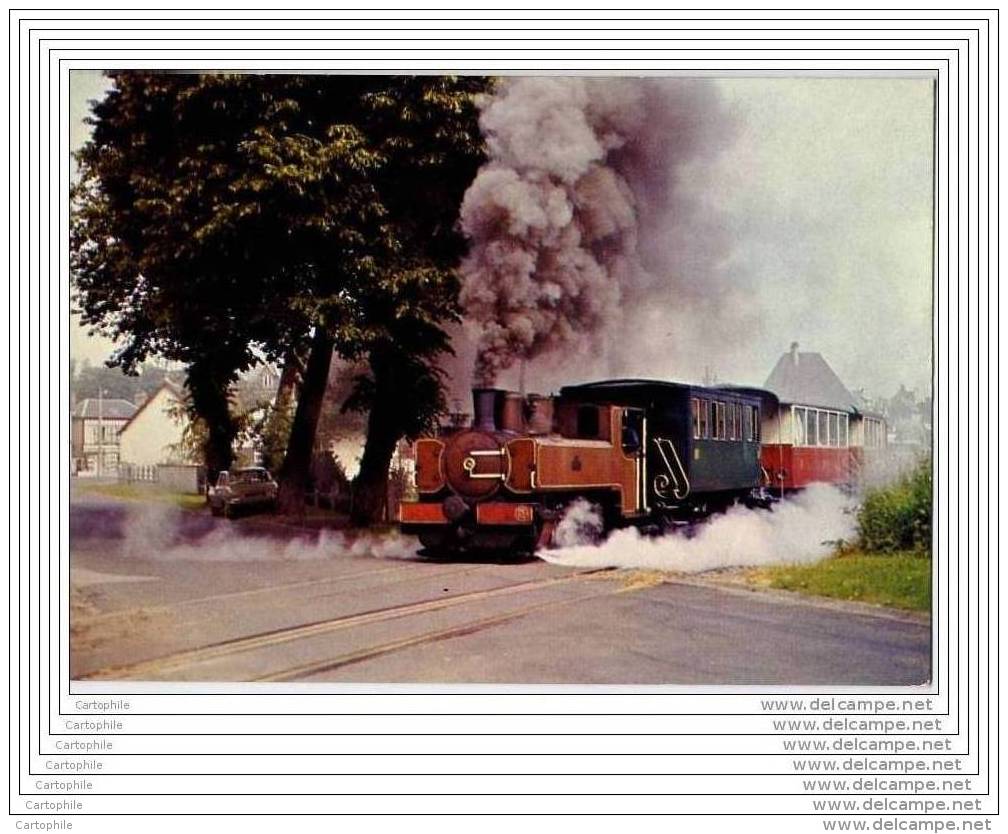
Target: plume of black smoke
{"x": 569, "y": 221}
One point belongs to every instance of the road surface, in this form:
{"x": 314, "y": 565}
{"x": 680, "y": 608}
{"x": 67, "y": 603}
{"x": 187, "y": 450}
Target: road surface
{"x": 162, "y": 594}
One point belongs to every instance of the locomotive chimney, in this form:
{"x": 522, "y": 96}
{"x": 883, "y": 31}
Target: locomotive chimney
{"x": 485, "y": 408}
{"x": 794, "y": 353}
{"x": 512, "y": 417}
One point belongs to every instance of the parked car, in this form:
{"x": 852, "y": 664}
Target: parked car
{"x": 251, "y": 488}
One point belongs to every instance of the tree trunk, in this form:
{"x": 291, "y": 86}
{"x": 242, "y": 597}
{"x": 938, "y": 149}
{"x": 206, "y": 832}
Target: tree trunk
{"x": 370, "y": 487}
{"x": 209, "y": 391}
{"x": 277, "y": 430}
{"x": 293, "y": 367}
{"x": 295, "y": 473}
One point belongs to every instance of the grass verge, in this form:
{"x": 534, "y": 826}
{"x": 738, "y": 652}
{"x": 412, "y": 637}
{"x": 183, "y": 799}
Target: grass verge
{"x": 899, "y": 580}
{"x": 145, "y": 492}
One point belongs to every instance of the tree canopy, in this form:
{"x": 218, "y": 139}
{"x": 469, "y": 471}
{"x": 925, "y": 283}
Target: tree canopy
{"x": 223, "y": 218}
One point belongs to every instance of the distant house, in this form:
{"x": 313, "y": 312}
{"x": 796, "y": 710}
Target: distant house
{"x": 807, "y": 378}
{"x": 154, "y": 432}
{"x": 94, "y": 434}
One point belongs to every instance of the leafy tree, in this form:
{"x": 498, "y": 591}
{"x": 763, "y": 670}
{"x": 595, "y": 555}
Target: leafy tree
{"x": 223, "y": 217}
{"x": 203, "y": 221}
{"x": 426, "y": 130}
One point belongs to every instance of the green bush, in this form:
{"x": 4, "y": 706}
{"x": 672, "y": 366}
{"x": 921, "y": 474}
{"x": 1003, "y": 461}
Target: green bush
{"x": 898, "y": 517}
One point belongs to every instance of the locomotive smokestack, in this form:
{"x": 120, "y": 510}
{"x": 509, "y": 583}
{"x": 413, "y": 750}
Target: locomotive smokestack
{"x": 485, "y": 408}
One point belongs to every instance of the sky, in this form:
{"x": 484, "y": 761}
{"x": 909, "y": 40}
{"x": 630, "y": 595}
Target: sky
{"x": 821, "y": 199}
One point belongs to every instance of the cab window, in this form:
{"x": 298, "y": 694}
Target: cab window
{"x": 588, "y": 422}
{"x": 633, "y": 429}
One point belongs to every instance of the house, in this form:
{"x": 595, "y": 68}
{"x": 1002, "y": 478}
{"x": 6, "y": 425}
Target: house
{"x": 95, "y": 423}
{"x": 153, "y": 434}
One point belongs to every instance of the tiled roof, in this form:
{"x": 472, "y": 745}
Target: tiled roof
{"x": 807, "y": 379}
{"x": 168, "y": 385}
{"x": 111, "y": 409}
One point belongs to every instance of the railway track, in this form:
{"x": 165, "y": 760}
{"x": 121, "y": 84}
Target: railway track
{"x": 269, "y": 591}
{"x": 160, "y": 667}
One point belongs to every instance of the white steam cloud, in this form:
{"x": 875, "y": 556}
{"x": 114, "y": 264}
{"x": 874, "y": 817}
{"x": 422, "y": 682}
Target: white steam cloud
{"x": 570, "y": 220}
{"x": 159, "y": 533}
{"x": 802, "y": 529}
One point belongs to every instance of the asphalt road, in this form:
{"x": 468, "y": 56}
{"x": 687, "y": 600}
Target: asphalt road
{"x": 162, "y": 594}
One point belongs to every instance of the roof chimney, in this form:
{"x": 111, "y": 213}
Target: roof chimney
{"x": 794, "y": 353}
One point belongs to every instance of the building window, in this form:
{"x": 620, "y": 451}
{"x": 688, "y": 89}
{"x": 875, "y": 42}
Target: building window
{"x": 798, "y": 421}
{"x": 844, "y": 431}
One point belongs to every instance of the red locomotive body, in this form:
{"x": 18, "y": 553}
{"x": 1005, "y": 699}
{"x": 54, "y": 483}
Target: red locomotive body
{"x": 501, "y": 483}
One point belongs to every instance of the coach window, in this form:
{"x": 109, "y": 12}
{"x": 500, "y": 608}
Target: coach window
{"x": 705, "y": 418}
{"x": 823, "y": 428}
{"x": 844, "y": 440}
{"x": 696, "y": 417}
{"x": 757, "y": 424}
{"x": 811, "y": 434}
{"x": 738, "y": 421}
{"x": 798, "y": 421}
{"x": 731, "y": 421}
{"x": 747, "y": 420}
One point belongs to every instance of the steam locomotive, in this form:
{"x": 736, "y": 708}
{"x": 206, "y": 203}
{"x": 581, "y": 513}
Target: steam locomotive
{"x": 647, "y": 453}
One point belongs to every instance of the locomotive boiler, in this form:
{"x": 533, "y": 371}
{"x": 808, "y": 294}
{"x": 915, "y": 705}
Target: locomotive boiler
{"x": 647, "y": 453}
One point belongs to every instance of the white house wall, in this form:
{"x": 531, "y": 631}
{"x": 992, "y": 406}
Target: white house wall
{"x": 154, "y": 431}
